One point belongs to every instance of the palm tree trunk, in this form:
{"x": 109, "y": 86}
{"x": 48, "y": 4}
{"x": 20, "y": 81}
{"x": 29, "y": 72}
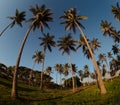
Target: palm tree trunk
{"x": 31, "y": 73}
{"x": 114, "y": 34}
{"x": 107, "y": 66}
{"x": 14, "y": 93}
{"x": 5, "y": 29}
{"x": 41, "y": 83}
{"x": 30, "y": 78}
{"x": 73, "y": 80}
{"x": 56, "y": 78}
{"x": 60, "y": 80}
{"x": 97, "y": 81}
{"x": 66, "y": 82}
{"x": 101, "y": 84}
{"x": 108, "y": 71}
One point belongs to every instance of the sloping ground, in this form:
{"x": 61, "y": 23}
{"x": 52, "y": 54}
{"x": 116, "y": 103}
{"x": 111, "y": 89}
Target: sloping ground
{"x": 91, "y": 96}
{"x": 33, "y": 96}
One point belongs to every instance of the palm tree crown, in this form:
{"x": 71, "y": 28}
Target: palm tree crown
{"x": 38, "y": 57}
{"x": 94, "y": 44}
{"x": 106, "y": 27}
{"x": 71, "y": 18}
{"x": 109, "y": 30}
{"x": 102, "y": 57}
{"x": 47, "y": 41}
{"x": 109, "y": 55}
{"x": 59, "y": 68}
{"x": 48, "y": 70}
{"x": 41, "y": 17}
{"x": 66, "y": 44}
{"x": 86, "y": 71}
{"x": 116, "y": 11}
{"x": 65, "y": 69}
{"x": 16, "y": 20}
{"x": 74, "y": 68}
{"x": 115, "y": 49}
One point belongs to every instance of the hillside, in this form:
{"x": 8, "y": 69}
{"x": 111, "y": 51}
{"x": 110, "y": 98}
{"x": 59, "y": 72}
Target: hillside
{"x": 33, "y": 96}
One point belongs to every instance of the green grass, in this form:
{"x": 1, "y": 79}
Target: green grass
{"x": 33, "y": 96}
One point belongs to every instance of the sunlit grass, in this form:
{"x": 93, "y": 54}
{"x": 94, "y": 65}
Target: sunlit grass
{"x": 33, "y": 95}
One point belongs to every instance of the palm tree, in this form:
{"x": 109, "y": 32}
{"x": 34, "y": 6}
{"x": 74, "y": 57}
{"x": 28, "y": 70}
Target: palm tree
{"x": 118, "y": 61}
{"x": 47, "y": 43}
{"x": 116, "y": 11}
{"x": 82, "y": 44}
{"x": 48, "y": 70}
{"x": 56, "y": 69}
{"x": 109, "y": 55}
{"x": 113, "y": 64}
{"x": 93, "y": 76}
{"x": 72, "y": 22}
{"x": 42, "y": 16}
{"x": 66, "y": 44}
{"x": 109, "y": 30}
{"x": 86, "y": 72}
{"x": 95, "y": 44}
{"x": 115, "y": 49}
{"x": 59, "y": 69}
{"x": 66, "y": 71}
{"x": 74, "y": 70}
{"x": 116, "y": 36}
{"x": 16, "y": 20}
{"x": 106, "y": 27}
{"x": 80, "y": 73}
{"x": 103, "y": 70}
{"x": 102, "y": 58}
{"x": 38, "y": 57}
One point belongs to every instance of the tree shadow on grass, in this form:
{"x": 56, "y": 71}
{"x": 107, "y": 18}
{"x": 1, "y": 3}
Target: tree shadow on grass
{"x": 26, "y": 89}
{"x": 50, "y": 100}
{"x": 9, "y": 85}
{"x": 5, "y": 84}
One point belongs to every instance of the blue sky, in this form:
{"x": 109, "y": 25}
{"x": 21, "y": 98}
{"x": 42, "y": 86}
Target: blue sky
{"x": 96, "y": 10}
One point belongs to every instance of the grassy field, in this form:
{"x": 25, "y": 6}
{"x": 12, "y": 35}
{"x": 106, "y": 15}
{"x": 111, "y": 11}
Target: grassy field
{"x": 33, "y": 96}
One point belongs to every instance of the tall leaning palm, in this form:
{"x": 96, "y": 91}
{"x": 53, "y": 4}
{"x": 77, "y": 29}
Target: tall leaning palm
{"x": 38, "y": 57}
{"x": 72, "y": 22}
{"x": 41, "y": 17}
{"x": 66, "y": 44}
{"x": 47, "y": 43}
{"x": 16, "y": 20}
